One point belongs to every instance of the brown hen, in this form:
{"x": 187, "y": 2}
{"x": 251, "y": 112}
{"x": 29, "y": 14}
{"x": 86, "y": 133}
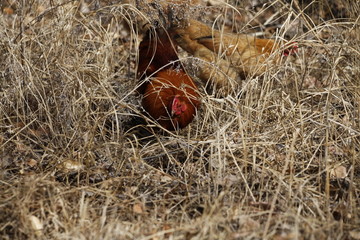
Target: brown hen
{"x": 230, "y": 53}
{"x": 170, "y": 96}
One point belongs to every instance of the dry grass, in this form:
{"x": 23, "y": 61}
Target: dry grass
{"x": 277, "y": 160}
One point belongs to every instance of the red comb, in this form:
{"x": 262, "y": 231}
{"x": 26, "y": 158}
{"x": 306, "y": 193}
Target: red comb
{"x": 292, "y": 49}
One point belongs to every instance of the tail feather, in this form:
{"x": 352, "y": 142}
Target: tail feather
{"x": 156, "y": 52}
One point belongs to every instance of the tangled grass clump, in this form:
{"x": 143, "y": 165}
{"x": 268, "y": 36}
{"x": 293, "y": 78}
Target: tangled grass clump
{"x": 277, "y": 159}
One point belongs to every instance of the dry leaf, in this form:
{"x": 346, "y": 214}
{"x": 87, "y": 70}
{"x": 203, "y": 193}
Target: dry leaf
{"x": 355, "y": 234}
{"x": 32, "y": 163}
{"x": 338, "y": 172}
{"x": 40, "y": 9}
{"x": 72, "y": 166}
{"x": 36, "y": 225}
{"x": 138, "y": 208}
{"x": 84, "y": 7}
{"x": 165, "y": 179}
{"x": 216, "y": 2}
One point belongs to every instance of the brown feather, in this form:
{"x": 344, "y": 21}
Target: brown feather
{"x": 163, "y": 79}
{"x": 232, "y": 53}
{"x": 156, "y": 52}
{"x": 160, "y": 92}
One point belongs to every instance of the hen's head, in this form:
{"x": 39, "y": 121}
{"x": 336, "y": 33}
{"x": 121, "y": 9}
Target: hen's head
{"x": 291, "y": 49}
{"x": 181, "y": 109}
{"x": 178, "y": 106}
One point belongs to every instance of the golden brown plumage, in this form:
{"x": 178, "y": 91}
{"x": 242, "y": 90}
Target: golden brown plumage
{"x": 169, "y": 95}
{"x": 231, "y": 53}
